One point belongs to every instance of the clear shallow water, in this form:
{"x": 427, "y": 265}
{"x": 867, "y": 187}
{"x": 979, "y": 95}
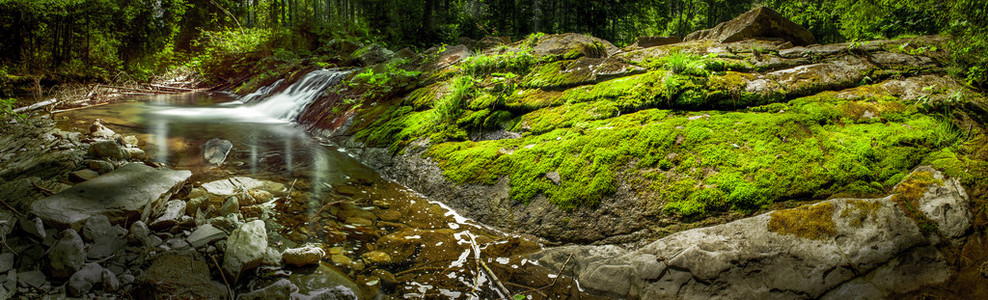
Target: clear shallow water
{"x": 335, "y": 203}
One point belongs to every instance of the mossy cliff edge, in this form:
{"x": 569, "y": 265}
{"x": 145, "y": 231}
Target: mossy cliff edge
{"x": 572, "y": 139}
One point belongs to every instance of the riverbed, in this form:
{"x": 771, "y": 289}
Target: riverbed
{"x": 377, "y": 235}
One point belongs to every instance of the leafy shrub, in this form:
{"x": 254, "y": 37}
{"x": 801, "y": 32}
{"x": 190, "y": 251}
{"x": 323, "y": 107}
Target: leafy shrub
{"x": 7, "y": 109}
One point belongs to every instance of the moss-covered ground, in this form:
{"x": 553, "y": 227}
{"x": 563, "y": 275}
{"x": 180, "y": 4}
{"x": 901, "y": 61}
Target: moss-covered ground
{"x": 687, "y": 135}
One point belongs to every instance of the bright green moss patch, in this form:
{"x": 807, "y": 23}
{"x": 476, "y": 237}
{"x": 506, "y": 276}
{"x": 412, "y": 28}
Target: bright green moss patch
{"x": 709, "y": 161}
{"x": 532, "y": 99}
{"x": 558, "y": 75}
{"x": 809, "y": 222}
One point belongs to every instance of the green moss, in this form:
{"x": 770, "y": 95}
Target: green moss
{"x": 558, "y": 75}
{"x": 809, "y": 222}
{"x": 532, "y": 99}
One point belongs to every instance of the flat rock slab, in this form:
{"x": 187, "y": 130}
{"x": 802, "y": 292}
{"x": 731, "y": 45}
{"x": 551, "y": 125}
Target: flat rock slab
{"x": 232, "y": 186}
{"x": 124, "y": 194}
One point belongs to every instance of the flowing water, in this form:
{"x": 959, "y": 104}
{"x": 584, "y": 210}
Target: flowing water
{"x": 328, "y": 199}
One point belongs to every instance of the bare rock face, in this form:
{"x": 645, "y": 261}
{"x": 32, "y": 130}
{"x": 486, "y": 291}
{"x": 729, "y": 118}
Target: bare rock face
{"x": 830, "y": 250}
{"x": 652, "y": 41}
{"x": 761, "y": 22}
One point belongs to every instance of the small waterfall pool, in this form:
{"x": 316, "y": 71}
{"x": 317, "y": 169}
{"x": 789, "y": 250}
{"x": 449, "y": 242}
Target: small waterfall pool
{"x": 331, "y": 200}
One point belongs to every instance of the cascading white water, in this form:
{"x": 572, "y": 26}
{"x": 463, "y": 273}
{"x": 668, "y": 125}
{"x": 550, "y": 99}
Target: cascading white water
{"x": 260, "y": 93}
{"x": 288, "y": 104}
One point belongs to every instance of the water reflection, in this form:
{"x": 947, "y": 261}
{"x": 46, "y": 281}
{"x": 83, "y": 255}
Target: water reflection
{"x": 388, "y": 239}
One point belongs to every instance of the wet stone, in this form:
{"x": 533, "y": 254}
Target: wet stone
{"x": 308, "y": 255}
{"x": 377, "y": 258}
{"x": 34, "y": 279}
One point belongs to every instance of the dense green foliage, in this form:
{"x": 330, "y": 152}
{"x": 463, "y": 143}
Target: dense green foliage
{"x": 103, "y": 37}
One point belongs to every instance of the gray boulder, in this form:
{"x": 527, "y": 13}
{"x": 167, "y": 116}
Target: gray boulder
{"x": 108, "y": 150}
{"x": 245, "y": 248}
{"x": 67, "y": 255}
{"x": 761, "y": 22}
{"x": 99, "y": 131}
{"x": 653, "y": 41}
{"x": 215, "y": 151}
{"x": 127, "y": 193}
{"x": 106, "y": 245}
{"x": 84, "y": 279}
{"x": 372, "y": 54}
{"x": 97, "y": 226}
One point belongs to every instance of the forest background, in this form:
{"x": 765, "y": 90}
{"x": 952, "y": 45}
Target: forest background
{"x": 102, "y": 40}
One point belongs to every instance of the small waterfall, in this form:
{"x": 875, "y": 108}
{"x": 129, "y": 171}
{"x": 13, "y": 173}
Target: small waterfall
{"x": 260, "y": 93}
{"x": 288, "y": 104}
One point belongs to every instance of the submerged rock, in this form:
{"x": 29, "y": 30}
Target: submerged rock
{"x": 215, "y": 151}
{"x": 761, "y": 22}
{"x": 308, "y": 255}
{"x": 122, "y": 195}
{"x": 233, "y": 186}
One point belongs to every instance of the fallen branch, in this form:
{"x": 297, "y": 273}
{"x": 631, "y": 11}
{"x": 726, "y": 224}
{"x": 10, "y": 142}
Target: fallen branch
{"x": 171, "y": 88}
{"x": 78, "y": 108}
{"x": 11, "y": 208}
{"x": 502, "y": 290}
{"x": 560, "y": 273}
{"x": 36, "y": 185}
{"x": 528, "y": 288}
{"x": 229, "y": 290}
{"x": 36, "y": 105}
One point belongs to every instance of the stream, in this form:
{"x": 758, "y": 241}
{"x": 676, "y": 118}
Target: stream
{"x": 381, "y": 239}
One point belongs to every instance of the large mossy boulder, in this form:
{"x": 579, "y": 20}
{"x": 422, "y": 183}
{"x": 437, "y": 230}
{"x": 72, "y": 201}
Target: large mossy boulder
{"x": 762, "y": 22}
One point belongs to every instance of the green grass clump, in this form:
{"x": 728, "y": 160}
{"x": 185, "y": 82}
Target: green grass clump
{"x": 514, "y": 62}
{"x": 686, "y": 64}
{"x": 449, "y": 107}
